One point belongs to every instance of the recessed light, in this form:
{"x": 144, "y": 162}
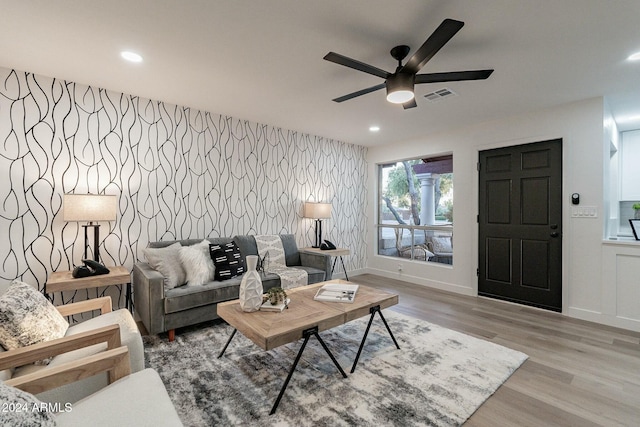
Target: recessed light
{"x": 131, "y": 56}
{"x": 634, "y": 57}
{"x": 374, "y": 129}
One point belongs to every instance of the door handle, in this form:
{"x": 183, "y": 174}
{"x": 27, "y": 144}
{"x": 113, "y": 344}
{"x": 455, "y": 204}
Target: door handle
{"x": 554, "y": 234}
{"x": 553, "y": 226}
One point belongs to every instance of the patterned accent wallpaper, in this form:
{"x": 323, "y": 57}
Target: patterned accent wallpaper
{"x": 178, "y": 172}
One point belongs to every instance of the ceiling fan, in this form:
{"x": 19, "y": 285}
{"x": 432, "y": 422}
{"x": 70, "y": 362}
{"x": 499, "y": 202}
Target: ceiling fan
{"x": 400, "y": 84}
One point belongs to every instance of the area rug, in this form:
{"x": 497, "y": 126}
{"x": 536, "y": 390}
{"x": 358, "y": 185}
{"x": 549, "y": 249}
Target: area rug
{"x": 438, "y": 377}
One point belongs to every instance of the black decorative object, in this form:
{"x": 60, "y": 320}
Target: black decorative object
{"x": 228, "y": 261}
{"x": 327, "y": 246}
{"x": 90, "y": 268}
{"x": 635, "y": 227}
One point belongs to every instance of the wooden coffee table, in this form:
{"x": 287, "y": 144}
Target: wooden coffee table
{"x": 305, "y": 318}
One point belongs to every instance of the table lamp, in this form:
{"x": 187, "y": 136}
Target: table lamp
{"x": 318, "y": 212}
{"x": 90, "y": 208}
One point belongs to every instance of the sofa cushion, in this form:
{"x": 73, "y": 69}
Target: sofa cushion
{"x": 291, "y": 252}
{"x": 27, "y": 317}
{"x": 314, "y": 275}
{"x": 441, "y": 244}
{"x": 247, "y": 245}
{"x": 166, "y": 260}
{"x": 197, "y": 263}
{"x": 129, "y": 336}
{"x": 186, "y": 297}
{"x": 23, "y": 409}
{"x": 228, "y": 261}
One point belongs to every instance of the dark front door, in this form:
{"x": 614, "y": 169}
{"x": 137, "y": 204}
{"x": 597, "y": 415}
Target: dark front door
{"x": 520, "y": 224}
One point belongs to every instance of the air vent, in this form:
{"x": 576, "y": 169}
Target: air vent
{"x": 439, "y": 94}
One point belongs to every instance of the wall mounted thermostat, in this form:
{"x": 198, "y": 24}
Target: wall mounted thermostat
{"x": 575, "y": 199}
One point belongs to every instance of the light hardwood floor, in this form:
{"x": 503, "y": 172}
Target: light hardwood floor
{"x": 578, "y": 373}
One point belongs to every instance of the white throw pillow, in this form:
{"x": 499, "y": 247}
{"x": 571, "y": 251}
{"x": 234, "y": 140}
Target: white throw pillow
{"x": 197, "y": 263}
{"x": 27, "y": 317}
{"x": 23, "y": 409}
{"x": 167, "y": 261}
{"x": 442, "y": 244}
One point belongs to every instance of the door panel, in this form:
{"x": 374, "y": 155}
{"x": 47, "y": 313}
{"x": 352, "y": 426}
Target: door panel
{"x": 499, "y": 201}
{"x": 535, "y": 201}
{"x": 500, "y": 269}
{"x": 539, "y": 251}
{"x": 520, "y": 224}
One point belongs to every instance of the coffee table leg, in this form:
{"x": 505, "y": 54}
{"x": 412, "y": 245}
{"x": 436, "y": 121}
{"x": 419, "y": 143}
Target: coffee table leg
{"x": 306, "y": 334}
{"x": 233, "y": 334}
{"x": 373, "y": 311}
{"x": 388, "y": 328}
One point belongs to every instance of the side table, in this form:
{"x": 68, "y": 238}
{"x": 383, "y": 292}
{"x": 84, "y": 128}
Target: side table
{"x": 63, "y": 281}
{"x": 337, "y": 253}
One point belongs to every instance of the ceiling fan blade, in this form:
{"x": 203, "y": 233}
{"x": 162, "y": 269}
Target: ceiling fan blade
{"x": 356, "y": 65}
{"x": 434, "y": 43}
{"x": 360, "y": 92}
{"x": 452, "y": 76}
{"x": 410, "y": 104}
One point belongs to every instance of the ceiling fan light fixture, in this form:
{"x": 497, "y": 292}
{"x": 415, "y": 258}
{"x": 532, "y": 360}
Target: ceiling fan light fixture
{"x": 400, "y": 96}
{"x": 400, "y": 88}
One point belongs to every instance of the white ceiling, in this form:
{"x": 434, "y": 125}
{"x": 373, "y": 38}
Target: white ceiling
{"x": 262, "y": 60}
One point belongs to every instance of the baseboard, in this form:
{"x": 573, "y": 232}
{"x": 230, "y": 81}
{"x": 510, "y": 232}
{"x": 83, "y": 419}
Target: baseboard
{"x": 604, "y": 319}
{"x": 443, "y": 286}
{"x": 572, "y": 312}
{"x": 341, "y": 275}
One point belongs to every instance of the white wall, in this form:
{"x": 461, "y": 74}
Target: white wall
{"x": 580, "y": 125}
{"x": 178, "y": 173}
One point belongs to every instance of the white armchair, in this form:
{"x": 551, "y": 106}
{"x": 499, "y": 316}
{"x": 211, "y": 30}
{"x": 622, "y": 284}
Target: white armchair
{"x": 138, "y": 399}
{"x": 71, "y": 393}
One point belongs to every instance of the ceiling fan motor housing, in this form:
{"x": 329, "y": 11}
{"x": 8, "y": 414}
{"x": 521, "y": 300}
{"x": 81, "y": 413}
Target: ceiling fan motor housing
{"x": 400, "y": 87}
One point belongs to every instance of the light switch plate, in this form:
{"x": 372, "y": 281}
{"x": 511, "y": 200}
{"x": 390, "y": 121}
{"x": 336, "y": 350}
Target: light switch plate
{"x": 584, "y": 212}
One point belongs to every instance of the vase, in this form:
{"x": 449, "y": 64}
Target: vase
{"x": 637, "y": 214}
{"x": 251, "y": 287}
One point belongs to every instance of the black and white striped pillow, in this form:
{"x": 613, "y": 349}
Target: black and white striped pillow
{"x": 228, "y": 261}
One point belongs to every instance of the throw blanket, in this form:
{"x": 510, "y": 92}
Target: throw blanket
{"x": 289, "y": 277}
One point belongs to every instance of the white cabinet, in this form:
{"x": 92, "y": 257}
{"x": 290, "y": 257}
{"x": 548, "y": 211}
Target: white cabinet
{"x": 630, "y": 166}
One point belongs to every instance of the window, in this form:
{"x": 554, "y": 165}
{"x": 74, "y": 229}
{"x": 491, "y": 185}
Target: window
{"x": 415, "y": 215}
{"x": 624, "y": 177}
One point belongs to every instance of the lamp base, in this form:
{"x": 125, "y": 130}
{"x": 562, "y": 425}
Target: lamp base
{"x": 96, "y": 241}
{"x": 318, "y": 233}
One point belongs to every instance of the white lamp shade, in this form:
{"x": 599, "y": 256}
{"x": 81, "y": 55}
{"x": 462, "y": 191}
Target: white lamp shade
{"x": 317, "y": 210}
{"x": 89, "y": 207}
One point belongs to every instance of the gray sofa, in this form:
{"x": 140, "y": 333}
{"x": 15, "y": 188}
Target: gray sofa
{"x": 164, "y": 311}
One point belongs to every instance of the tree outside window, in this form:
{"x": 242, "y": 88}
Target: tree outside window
{"x": 417, "y": 193}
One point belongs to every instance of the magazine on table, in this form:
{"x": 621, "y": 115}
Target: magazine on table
{"x": 267, "y": 306}
{"x": 337, "y": 292}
